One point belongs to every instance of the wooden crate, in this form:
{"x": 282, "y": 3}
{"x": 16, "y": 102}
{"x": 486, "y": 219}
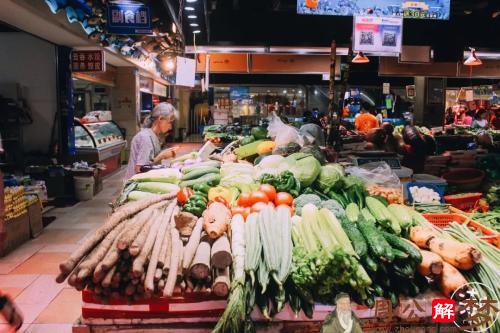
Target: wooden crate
{"x": 15, "y": 233}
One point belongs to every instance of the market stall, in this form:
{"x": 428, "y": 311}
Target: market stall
{"x": 259, "y": 237}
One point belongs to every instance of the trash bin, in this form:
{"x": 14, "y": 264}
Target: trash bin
{"x": 84, "y": 188}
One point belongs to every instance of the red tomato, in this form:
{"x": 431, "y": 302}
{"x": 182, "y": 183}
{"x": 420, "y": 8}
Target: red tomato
{"x": 258, "y": 196}
{"x": 244, "y": 200}
{"x": 247, "y": 212}
{"x": 269, "y": 190}
{"x": 258, "y": 206}
{"x": 283, "y": 198}
{"x": 222, "y": 201}
{"x": 292, "y": 211}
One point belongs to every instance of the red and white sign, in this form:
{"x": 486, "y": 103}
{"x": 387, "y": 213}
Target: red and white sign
{"x": 88, "y": 61}
{"x": 443, "y": 310}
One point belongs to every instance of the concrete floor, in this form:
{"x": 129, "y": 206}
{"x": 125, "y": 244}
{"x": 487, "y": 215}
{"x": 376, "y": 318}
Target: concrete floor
{"x": 28, "y": 273}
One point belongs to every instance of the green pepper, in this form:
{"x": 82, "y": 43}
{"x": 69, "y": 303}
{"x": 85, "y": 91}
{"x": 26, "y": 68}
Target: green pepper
{"x": 198, "y": 197}
{"x": 203, "y": 188}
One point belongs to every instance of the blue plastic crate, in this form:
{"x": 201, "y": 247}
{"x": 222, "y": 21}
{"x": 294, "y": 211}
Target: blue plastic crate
{"x": 439, "y": 188}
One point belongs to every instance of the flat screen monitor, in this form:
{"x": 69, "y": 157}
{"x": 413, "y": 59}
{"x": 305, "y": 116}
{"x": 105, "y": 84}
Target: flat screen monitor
{"x": 426, "y": 9}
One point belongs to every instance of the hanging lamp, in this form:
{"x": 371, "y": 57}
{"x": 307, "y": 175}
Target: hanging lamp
{"x": 473, "y": 60}
{"x": 360, "y": 58}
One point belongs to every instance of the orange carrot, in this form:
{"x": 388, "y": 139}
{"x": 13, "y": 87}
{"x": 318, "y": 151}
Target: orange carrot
{"x": 451, "y": 280}
{"x": 460, "y": 255}
{"x": 421, "y": 236}
{"x": 431, "y": 265}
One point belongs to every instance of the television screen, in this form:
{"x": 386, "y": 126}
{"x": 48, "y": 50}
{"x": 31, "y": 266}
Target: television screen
{"x": 428, "y": 9}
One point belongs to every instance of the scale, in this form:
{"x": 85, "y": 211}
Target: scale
{"x": 362, "y": 158}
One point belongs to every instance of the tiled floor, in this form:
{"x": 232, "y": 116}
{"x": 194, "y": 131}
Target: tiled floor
{"x": 28, "y": 273}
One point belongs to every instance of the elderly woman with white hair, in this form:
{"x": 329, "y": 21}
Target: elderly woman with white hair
{"x": 145, "y": 147}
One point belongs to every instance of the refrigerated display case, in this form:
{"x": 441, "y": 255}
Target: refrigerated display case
{"x": 100, "y": 142}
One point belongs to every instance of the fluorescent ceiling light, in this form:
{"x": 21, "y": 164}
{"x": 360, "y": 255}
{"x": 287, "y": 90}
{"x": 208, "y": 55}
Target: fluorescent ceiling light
{"x": 225, "y": 49}
{"x": 191, "y": 1}
{"x": 193, "y": 24}
{"x": 483, "y": 54}
{"x": 196, "y": 31}
{"x": 189, "y": 9}
{"x": 192, "y": 16}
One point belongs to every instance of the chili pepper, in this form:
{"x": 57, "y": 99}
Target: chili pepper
{"x": 183, "y": 195}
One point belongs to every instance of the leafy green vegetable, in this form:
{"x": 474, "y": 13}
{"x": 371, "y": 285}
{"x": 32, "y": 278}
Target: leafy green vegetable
{"x": 285, "y": 182}
{"x": 330, "y": 177}
{"x": 333, "y": 206}
{"x": 316, "y": 152}
{"x": 304, "y": 167}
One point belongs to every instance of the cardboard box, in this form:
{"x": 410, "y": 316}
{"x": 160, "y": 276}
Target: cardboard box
{"x": 16, "y": 232}
{"x": 35, "y": 219}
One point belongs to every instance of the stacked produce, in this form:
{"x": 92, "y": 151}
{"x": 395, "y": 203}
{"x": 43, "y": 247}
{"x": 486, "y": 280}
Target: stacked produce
{"x": 15, "y": 202}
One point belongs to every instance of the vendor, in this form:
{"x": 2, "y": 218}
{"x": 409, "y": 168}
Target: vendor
{"x": 312, "y": 130}
{"x": 145, "y": 147}
{"x": 365, "y": 121}
{"x": 481, "y": 120}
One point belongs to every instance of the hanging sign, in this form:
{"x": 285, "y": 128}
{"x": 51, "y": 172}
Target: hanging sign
{"x": 378, "y": 35}
{"x": 128, "y": 19}
{"x": 422, "y": 9}
{"x": 186, "y": 72}
{"x": 88, "y": 61}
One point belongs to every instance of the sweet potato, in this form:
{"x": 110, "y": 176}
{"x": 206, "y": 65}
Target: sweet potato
{"x": 431, "y": 265}
{"x": 460, "y": 255}
{"x": 216, "y": 219}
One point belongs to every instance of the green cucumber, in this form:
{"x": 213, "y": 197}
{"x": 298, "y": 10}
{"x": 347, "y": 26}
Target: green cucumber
{"x": 214, "y": 164}
{"x": 197, "y": 173}
{"x": 369, "y": 263}
{"x": 376, "y": 242}
{"x": 212, "y": 178}
{"x": 403, "y": 245}
{"x": 398, "y": 254}
{"x": 406, "y": 270}
{"x": 355, "y": 236}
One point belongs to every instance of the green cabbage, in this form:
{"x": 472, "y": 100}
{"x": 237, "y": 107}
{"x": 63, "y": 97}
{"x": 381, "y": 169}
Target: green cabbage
{"x": 330, "y": 177}
{"x": 303, "y": 166}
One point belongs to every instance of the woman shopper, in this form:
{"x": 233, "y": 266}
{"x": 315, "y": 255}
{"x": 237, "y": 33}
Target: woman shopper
{"x": 145, "y": 147}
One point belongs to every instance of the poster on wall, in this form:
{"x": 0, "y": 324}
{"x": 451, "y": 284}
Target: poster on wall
{"x": 126, "y": 18}
{"x": 423, "y": 9}
{"x": 377, "y": 35}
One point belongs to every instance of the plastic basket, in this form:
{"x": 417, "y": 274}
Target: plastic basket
{"x": 466, "y": 203}
{"x": 439, "y": 188}
{"x": 443, "y": 220}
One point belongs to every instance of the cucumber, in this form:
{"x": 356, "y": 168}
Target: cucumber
{"x": 355, "y": 236}
{"x": 197, "y": 173}
{"x": 406, "y": 270}
{"x": 369, "y": 263}
{"x": 377, "y": 244}
{"x": 352, "y": 212}
{"x": 378, "y": 290}
{"x": 398, "y": 254}
{"x": 413, "y": 289}
{"x": 403, "y": 245}
{"x": 213, "y": 164}
{"x": 368, "y": 216}
{"x": 211, "y": 178}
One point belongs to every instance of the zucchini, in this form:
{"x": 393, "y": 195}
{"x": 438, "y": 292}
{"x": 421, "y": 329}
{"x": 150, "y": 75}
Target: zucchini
{"x": 403, "y": 245}
{"x": 352, "y": 212}
{"x": 199, "y": 172}
{"x": 376, "y": 242}
{"x": 355, "y": 236}
{"x": 247, "y": 150}
{"x": 214, "y": 164}
{"x": 210, "y": 178}
{"x": 401, "y": 214}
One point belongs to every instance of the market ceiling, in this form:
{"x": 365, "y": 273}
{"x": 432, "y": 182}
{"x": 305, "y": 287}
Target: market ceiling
{"x": 275, "y": 22}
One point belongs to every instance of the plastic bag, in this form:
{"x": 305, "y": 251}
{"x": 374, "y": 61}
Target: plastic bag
{"x": 282, "y": 133}
{"x": 376, "y": 173}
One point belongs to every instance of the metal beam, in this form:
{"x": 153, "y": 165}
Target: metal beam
{"x": 173, "y": 15}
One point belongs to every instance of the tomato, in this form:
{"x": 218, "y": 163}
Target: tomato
{"x": 269, "y": 190}
{"x": 247, "y": 212}
{"x": 292, "y": 211}
{"x": 258, "y": 196}
{"x": 222, "y": 201}
{"x": 183, "y": 195}
{"x": 258, "y": 206}
{"x": 283, "y": 198}
{"x": 244, "y": 200}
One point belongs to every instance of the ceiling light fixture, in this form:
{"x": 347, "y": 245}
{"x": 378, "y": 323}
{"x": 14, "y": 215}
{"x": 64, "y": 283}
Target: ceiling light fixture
{"x": 191, "y": 1}
{"x": 284, "y": 91}
{"x": 473, "y": 60}
{"x": 192, "y": 16}
{"x": 189, "y": 9}
{"x": 193, "y": 24}
{"x": 360, "y": 58}
{"x": 196, "y": 31}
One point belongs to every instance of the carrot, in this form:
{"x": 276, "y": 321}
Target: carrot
{"x": 174, "y": 263}
{"x": 222, "y": 283}
{"x": 221, "y": 253}
{"x": 192, "y": 245}
{"x": 431, "y": 265}
{"x": 140, "y": 219}
{"x": 460, "y": 255}
{"x": 159, "y": 236}
{"x": 451, "y": 281}
{"x": 421, "y": 236}
{"x": 200, "y": 266}
{"x": 116, "y": 218}
{"x": 216, "y": 220}
{"x": 140, "y": 260}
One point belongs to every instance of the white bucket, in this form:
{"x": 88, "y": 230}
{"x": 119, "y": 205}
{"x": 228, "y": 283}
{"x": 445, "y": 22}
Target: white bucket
{"x": 84, "y": 188}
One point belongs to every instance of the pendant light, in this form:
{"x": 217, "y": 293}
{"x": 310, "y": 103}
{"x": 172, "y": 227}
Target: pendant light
{"x": 360, "y": 58}
{"x": 473, "y": 60}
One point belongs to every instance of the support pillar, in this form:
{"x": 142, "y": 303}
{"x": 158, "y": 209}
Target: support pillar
{"x": 420, "y": 91}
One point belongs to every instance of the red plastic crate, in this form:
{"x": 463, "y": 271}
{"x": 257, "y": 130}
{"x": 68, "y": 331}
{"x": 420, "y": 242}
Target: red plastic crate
{"x": 465, "y": 203}
{"x": 443, "y": 220}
